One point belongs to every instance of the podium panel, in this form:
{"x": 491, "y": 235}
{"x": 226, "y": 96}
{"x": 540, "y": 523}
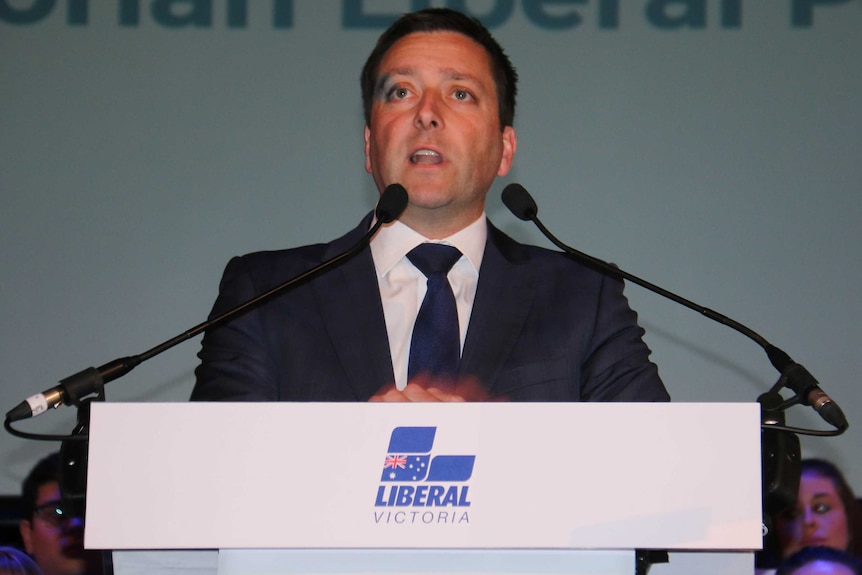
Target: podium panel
{"x": 468, "y": 476}
{"x": 404, "y": 562}
{"x": 425, "y": 562}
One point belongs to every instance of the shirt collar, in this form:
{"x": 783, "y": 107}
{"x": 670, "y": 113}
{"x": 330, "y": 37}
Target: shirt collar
{"x": 394, "y": 240}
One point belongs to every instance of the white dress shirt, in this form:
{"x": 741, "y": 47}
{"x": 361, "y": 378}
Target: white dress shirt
{"x": 403, "y": 286}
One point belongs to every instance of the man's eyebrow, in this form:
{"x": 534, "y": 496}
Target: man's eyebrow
{"x": 453, "y": 74}
{"x": 385, "y": 79}
{"x": 387, "y": 76}
{"x": 402, "y": 71}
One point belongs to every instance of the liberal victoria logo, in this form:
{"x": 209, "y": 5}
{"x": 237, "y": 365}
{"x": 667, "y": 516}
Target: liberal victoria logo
{"x": 413, "y": 478}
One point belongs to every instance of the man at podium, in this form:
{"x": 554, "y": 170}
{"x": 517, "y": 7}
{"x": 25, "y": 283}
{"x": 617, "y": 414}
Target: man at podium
{"x": 441, "y": 306}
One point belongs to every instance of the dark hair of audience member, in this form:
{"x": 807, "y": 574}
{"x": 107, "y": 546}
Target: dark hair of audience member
{"x": 47, "y": 469}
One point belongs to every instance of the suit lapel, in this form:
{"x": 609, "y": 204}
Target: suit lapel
{"x": 349, "y": 300}
{"x": 504, "y": 284}
{"x": 351, "y": 309}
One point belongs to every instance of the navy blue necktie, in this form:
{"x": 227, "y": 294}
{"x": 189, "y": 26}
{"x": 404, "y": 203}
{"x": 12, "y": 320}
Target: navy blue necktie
{"x": 436, "y": 346}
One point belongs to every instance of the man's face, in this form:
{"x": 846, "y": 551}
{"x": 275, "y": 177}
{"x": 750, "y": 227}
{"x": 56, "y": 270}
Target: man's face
{"x": 435, "y": 130}
{"x": 56, "y": 546}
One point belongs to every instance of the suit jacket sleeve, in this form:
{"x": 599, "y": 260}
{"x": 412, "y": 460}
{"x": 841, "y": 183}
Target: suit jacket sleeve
{"x": 618, "y": 366}
{"x": 547, "y": 328}
{"x": 235, "y": 359}
{"x": 323, "y": 340}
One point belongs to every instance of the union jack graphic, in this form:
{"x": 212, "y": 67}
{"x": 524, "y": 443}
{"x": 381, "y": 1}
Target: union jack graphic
{"x": 395, "y": 461}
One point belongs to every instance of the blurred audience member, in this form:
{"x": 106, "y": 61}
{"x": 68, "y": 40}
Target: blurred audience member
{"x": 826, "y": 513}
{"x": 15, "y": 562}
{"x": 820, "y": 561}
{"x": 53, "y": 539}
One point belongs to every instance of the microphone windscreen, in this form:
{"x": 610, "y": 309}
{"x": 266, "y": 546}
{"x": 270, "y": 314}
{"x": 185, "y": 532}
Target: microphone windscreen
{"x": 392, "y": 202}
{"x": 520, "y": 202}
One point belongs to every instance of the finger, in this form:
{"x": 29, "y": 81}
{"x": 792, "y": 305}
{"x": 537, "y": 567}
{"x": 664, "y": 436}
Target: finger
{"x": 418, "y": 393}
{"x": 388, "y": 393}
{"x": 441, "y": 395}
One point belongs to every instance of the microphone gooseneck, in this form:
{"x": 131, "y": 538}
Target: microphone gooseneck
{"x": 793, "y": 376}
{"x": 72, "y": 389}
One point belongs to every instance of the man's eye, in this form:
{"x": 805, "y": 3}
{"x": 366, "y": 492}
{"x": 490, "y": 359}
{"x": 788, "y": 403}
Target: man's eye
{"x": 397, "y": 93}
{"x": 462, "y": 95}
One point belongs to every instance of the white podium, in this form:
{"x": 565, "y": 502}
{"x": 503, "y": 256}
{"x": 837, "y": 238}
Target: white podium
{"x": 423, "y": 488}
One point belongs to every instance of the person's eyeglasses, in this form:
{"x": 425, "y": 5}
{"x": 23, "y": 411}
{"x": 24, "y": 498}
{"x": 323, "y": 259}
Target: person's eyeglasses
{"x": 51, "y": 513}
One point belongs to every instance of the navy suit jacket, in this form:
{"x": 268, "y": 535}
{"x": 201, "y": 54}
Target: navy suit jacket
{"x": 543, "y": 328}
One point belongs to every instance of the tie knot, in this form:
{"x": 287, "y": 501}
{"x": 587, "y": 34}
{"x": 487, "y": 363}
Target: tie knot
{"x": 434, "y": 258}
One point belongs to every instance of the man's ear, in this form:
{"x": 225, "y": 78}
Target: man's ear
{"x": 510, "y": 144}
{"x": 25, "y": 528}
{"x": 367, "y": 157}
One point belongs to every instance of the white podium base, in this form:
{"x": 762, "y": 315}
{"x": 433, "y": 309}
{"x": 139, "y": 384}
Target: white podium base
{"x": 160, "y": 562}
{"x": 425, "y": 561}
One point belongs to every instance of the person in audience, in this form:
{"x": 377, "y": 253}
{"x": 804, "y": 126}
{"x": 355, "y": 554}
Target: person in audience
{"x": 51, "y": 537}
{"x": 16, "y": 562}
{"x": 826, "y": 513}
{"x": 820, "y": 561}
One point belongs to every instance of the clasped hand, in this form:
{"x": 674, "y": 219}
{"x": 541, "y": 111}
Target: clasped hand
{"x": 429, "y": 389}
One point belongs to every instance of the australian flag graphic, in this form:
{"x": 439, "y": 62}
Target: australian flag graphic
{"x": 409, "y": 458}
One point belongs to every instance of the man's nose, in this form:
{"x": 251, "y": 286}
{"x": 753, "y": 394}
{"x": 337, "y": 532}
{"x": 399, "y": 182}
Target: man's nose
{"x": 428, "y": 112}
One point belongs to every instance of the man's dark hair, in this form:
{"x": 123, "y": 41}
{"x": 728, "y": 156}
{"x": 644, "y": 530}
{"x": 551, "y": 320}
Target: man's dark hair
{"x": 444, "y": 20}
{"x": 812, "y": 554}
{"x": 48, "y": 469}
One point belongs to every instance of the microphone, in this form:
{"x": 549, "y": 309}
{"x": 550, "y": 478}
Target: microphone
{"x": 71, "y": 390}
{"x": 793, "y": 376}
{"x": 391, "y": 204}
{"x": 38, "y": 404}
{"x": 520, "y": 202}
{"x": 798, "y": 379}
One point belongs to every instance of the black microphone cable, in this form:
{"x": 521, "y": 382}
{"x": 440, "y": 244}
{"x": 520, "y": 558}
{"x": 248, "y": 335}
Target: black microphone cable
{"x": 73, "y": 389}
{"x": 793, "y": 376}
